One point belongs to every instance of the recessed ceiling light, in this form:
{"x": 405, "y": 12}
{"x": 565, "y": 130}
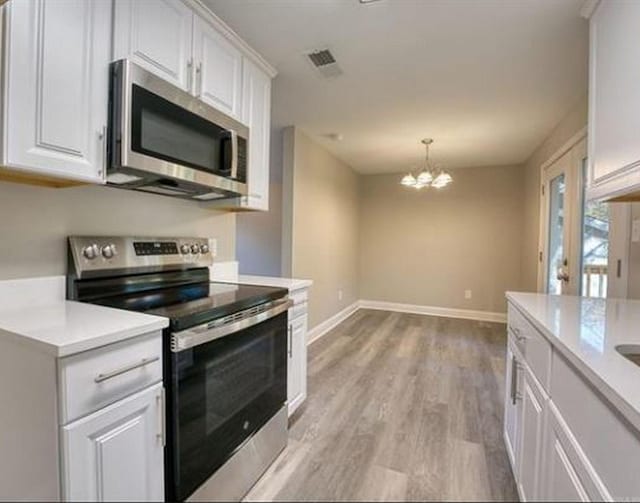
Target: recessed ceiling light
{"x": 368, "y": 1}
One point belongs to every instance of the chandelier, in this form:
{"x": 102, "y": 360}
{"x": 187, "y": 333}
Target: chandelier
{"x": 428, "y": 176}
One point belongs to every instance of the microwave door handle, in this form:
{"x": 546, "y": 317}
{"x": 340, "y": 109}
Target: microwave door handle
{"x": 234, "y": 155}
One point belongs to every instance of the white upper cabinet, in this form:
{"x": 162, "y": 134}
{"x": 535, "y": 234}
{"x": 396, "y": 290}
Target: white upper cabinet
{"x": 157, "y": 35}
{"x": 218, "y": 69}
{"x": 257, "y": 115}
{"x": 614, "y": 100}
{"x": 56, "y": 57}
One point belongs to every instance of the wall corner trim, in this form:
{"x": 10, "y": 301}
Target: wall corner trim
{"x": 466, "y": 314}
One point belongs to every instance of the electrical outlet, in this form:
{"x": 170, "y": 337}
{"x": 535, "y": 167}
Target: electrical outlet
{"x": 340, "y": 294}
{"x": 467, "y": 294}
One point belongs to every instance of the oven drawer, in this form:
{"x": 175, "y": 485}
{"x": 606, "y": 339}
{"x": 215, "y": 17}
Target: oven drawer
{"x": 91, "y": 380}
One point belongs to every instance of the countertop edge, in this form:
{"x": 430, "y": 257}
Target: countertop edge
{"x": 111, "y": 338}
{"x": 294, "y": 284}
{"x": 618, "y": 402}
{"x": 150, "y": 324}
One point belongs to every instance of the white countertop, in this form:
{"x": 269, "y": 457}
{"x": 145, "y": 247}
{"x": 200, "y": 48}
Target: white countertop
{"x": 63, "y": 328}
{"x": 586, "y": 332}
{"x": 291, "y": 284}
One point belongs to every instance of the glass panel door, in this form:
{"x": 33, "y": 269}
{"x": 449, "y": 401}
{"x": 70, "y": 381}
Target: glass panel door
{"x": 556, "y": 249}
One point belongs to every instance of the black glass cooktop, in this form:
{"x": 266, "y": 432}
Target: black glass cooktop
{"x": 193, "y": 304}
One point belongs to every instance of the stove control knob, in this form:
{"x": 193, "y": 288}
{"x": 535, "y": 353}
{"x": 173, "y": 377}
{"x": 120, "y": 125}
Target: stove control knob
{"x": 184, "y": 249}
{"x": 204, "y": 249}
{"x": 108, "y": 251}
{"x": 90, "y": 252}
{"x": 195, "y": 249}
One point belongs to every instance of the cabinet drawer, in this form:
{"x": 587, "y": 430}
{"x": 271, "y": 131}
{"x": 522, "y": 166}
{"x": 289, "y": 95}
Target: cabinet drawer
{"x": 297, "y": 310}
{"x": 533, "y": 345}
{"x": 298, "y": 296}
{"x": 91, "y": 380}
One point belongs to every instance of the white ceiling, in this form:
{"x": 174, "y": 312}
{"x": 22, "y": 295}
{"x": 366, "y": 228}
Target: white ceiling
{"x": 487, "y": 79}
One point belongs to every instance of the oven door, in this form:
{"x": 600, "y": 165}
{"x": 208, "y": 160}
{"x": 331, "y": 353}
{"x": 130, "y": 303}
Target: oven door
{"x": 221, "y": 393}
{"x": 159, "y": 132}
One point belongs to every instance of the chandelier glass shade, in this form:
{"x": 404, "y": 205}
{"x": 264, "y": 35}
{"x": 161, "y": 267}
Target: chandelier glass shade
{"x": 428, "y": 176}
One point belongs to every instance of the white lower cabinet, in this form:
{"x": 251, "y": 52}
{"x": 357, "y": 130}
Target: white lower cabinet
{"x": 297, "y": 363}
{"x": 512, "y": 408}
{"x": 531, "y": 441}
{"x": 565, "y": 441}
{"x": 562, "y": 479}
{"x": 116, "y": 454}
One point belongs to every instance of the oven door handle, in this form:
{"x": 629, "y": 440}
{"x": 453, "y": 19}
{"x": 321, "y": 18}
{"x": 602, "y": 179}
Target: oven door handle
{"x": 221, "y": 328}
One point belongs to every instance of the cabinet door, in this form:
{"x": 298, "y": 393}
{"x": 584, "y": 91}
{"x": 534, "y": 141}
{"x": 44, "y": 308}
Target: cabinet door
{"x": 157, "y": 35}
{"x": 116, "y": 454}
{"x": 613, "y": 91}
{"x": 297, "y": 365}
{"x": 532, "y": 424}
{"x": 511, "y": 408}
{"x": 218, "y": 69}
{"x": 562, "y": 482}
{"x": 57, "y": 87}
{"x": 257, "y": 115}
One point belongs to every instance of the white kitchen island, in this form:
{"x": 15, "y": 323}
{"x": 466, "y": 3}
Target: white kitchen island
{"x": 572, "y": 407}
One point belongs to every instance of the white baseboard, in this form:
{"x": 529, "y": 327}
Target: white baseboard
{"x": 321, "y": 329}
{"x": 466, "y": 314}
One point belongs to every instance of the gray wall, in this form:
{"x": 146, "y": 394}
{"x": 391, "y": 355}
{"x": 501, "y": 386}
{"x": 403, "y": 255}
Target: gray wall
{"x": 259, "y": 234}
{"x": 35, "y": 222}
{"x": 322, "y": 220}
{"x": 427, "y": 247}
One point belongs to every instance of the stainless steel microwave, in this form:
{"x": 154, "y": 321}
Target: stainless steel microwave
{"x": 164, "y": 140}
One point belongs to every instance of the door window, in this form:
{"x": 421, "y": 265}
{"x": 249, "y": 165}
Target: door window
{"x": 595, "y": 246}
{"x": 556, "y": 251}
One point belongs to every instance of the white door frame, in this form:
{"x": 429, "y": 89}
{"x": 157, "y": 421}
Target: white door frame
{"x": 548, "y": 170}
{"x": 619, "y": 231}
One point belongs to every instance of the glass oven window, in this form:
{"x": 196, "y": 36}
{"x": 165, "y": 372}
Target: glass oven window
{"x": 163, "y": 130}
{"x": 223, "y": 392}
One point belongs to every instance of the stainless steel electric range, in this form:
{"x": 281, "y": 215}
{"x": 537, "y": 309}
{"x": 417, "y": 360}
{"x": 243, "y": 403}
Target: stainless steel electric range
{"x": 225, "y": 364}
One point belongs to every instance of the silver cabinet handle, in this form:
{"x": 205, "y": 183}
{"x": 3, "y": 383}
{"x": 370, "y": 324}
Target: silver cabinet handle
{"x": 102, "y": 139}
{"x": 198, "y": 80}
{"x": 290, "y": 341}
{"x": 110, "y": 375}
{"x": 514, "y": 379}
{"x": 160, "y": 401}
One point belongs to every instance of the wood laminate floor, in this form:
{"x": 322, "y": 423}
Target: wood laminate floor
{"x": 400, "y": 407}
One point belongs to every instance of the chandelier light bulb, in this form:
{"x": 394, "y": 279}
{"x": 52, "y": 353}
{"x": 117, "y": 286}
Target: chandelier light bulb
{"x": 408, "y": 180}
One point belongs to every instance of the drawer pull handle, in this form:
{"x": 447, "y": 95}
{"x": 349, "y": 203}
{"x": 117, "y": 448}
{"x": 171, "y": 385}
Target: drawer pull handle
{"x": 109, "y": 375}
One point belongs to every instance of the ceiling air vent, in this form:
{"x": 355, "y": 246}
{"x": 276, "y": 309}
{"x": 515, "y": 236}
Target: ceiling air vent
{"x": 323, "y": 61}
